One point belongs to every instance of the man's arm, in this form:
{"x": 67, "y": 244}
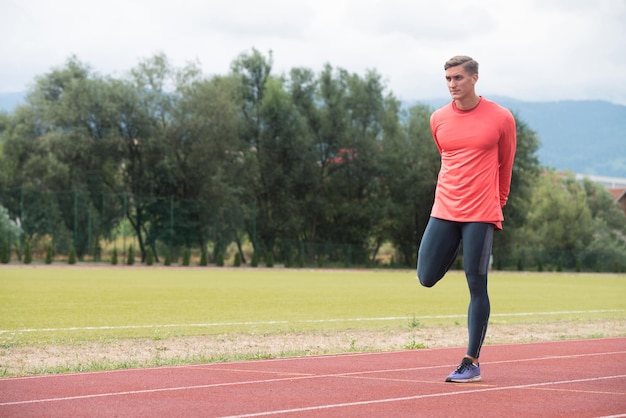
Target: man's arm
{"x": 506, "y": 157}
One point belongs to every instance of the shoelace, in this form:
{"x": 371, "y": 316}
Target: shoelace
{"x": 463, "y": 366}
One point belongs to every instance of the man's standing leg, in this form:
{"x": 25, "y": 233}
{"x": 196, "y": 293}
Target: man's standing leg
{"x": 477, "y": 244}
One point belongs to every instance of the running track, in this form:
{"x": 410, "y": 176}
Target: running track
{"x": 581, "y": 378}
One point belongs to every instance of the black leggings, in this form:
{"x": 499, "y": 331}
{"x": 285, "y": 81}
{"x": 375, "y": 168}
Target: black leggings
{"x": 439, "y": 247}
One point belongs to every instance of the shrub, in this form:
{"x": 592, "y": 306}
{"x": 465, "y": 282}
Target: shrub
{"x": 149, "y": 257}
{"x": 237, "y": 262}
{"x": 300, "y": 260}
{"x": 114, "y": 257}
{"x": 28, "y": 255}
{"x": 5, "y": 255}
{"x": 48, "y": 254}
{"x": 219, "y": 259}
{"x": 203, "y": 259}
{"x": 168, "y": 259}
{"x": 255, "y": 260}
{"x": 289, "y": 259}
{"x": 498, "y": 263}
{"x": 458, "y": 264}
{"x": 186, "y": 256}
{"x": 269, "y": 260}
{"x": 130, "y": 260}
{"x": 71, "y": 259}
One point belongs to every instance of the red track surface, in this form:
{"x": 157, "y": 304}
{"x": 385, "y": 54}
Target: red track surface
{"x": 582, "y": 378}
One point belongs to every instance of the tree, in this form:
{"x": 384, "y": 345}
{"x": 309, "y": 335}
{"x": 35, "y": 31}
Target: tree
{"x": 287, "y": 168}
{"x": 607, "y": 250}
{"x": 560, "y": 223}
{"x": 55, "y": 145}
{"x": 349, "y": 133}
{"x": 253, "y": 71}
{"x": 411, "y": 164}
{"x": 524, "y": 179}
{"x": 203, "y": 151}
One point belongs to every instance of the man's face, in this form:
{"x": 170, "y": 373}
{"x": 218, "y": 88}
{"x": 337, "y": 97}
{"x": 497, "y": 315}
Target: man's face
{"x": 460, "y": 82}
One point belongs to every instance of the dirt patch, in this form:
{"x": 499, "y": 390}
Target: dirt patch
{"x": 125, "y": 353}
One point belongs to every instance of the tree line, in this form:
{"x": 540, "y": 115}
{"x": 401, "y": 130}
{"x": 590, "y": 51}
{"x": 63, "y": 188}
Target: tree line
{"x": 326, "y": 165}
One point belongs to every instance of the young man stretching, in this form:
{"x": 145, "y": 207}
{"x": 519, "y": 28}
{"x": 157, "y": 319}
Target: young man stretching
{"x": 476, "y": 139}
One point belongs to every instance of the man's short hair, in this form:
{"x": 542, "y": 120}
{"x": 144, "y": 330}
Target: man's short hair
{"x": 468, "y": 63}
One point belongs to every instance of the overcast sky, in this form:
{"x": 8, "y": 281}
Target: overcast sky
{"x": 535, "y": 50}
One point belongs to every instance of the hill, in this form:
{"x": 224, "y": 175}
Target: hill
{"x": 586, "y": 137}
{"x": 9, "y": 101}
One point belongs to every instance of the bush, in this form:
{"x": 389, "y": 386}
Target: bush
{"x": 130, "y": 260}
{"x": 255, "y": 260}
{"x": 114, "y": 257}
{"x": 71, "y": 259}
{"x": 49, "y": 254}
{"x": 167, "y": 261}
{"x": 186, "y": 256}
{"x": 499, "y": 263}
{"x": 237, "y": 262}
{"x": 149, "y": 257}
{"x": 28, "y": 255}
{"x": 300, "y": 260}
{"x": 289, "y": 259}
{"x": 269, "y": 260}
{"x": 5, "y": 255}
{"x": 203, "y": 259}
{"x": 219, "y": 259}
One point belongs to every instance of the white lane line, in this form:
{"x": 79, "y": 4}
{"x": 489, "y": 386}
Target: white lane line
{"x": 311, "y": 408}
{"x": 321, "y": 376}
{"x": 411, "y": 398}
{"x": 303, "y": 321}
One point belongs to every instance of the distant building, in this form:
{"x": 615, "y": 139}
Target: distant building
{"x": 608, "y": 182}
{"x": 619, "y": 196}
{"x": 616, "y": 186}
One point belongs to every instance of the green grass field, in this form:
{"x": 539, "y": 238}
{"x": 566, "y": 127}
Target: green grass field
{"x": 61, "y": 305}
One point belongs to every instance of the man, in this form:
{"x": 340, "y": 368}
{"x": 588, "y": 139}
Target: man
{"x": 476, "y": 139}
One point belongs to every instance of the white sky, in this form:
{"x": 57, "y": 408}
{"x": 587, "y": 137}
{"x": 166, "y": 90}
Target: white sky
{"x": 535, "y": 50}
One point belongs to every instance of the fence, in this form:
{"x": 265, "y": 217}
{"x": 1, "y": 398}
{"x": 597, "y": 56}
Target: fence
{"x": 95, "y": 226}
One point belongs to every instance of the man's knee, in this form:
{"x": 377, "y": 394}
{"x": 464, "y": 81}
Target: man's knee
{"x": 426, "y": 281}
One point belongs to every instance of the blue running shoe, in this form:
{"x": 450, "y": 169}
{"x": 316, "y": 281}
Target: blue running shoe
{"x": 465, "y": 373}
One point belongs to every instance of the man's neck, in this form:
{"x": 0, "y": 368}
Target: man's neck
{"x": 467, "y": 103}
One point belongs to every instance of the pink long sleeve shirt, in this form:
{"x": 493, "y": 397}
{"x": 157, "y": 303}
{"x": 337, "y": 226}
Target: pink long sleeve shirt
{"x": 477, "y": 150}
